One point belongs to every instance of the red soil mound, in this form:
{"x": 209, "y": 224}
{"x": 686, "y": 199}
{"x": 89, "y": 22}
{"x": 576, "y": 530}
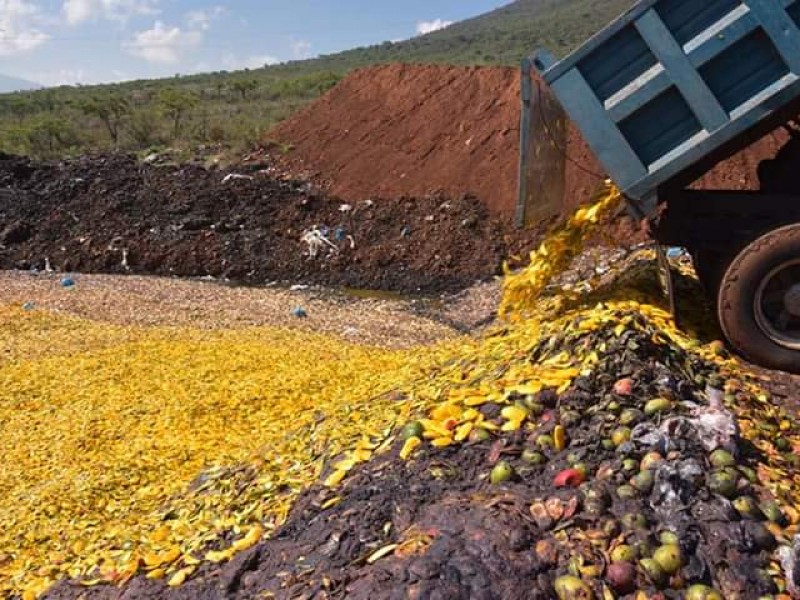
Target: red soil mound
{"x": 407, "y": 130}
{"x": 398, "y": 130}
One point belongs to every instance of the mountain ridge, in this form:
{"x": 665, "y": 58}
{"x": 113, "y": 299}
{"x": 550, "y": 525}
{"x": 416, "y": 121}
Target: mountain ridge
{"x": 236, "y": 111}
{"x": 500, "y": 37}
{"x": 10, "y": 84}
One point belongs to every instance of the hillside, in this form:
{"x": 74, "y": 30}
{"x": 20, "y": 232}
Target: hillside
{"x": 231, "y": 112}
{"x": 501, "y": 37}
{"x": 13, "y": 84}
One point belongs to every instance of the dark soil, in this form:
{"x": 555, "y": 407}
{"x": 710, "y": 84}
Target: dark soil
{"x": 116, "y": 215}
{"x": 460, "y": 537}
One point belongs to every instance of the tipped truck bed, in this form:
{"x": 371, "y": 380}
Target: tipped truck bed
{"x": 674, "y": 86}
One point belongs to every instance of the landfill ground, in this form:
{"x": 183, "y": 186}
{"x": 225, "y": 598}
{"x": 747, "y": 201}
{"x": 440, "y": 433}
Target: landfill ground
{"x": 384, "y": 412}
{"x": 385, "y": 320}
{"x": 187, "y": 440}
{"x": 117, "y": 214}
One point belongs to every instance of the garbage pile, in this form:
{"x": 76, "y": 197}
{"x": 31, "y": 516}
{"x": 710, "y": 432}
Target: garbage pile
{"x": 605, "y": 459}
{"x": 632, "y": 480}
{"x": 585, "y": 449}
{"x": 118, "y": 215}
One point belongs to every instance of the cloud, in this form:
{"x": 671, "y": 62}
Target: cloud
{"x": 301, "y": 49}
{"x": 201, "y": 19}
{"x": 79, "y": 11}
{"x": 18, "y": 31}
{"x": 425, "y": 27}
{"x": 232, "y": 62}
{"x": 163, "y": 44}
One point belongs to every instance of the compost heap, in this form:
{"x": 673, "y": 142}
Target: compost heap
{"x": 586, "y": 449}
{"x": 117, "y": 215}
{"x": 391, "y": 130}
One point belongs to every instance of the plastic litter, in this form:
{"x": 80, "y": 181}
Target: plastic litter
{"x": 790, "y": 562}
{"x": 28, "y": 306}
{"x": 67, "y": 282}
{"x": 316, "y": 239}
{"x": 717, "y": 427}
{"x": 124, "y": 263}
{"x": 405, "y": 232}
{"x": 236, "y": 176}
{"x": 299, "y": 312}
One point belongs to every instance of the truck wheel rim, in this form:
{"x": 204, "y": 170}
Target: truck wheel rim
{"x": 777, "y": 305}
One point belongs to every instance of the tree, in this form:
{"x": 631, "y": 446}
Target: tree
{"x": 143, "y": 127}
{"x": 18, "y": 105}
{"x": 49, "y": 133}
{"x": 112, "y": 110}
{"x": 14, "y": 139}
{"x": 175, "y": 103}
{"x": 243, "y": 86}
{"x": 220, "y": 86}
{"x": 45, "y": 100}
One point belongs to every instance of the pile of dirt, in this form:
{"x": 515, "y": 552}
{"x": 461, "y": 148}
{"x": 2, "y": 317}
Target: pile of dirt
{"x": 392, "y": 130}
{"x": 117, "y": 215}
{"x": 399, "y": 129}
{"x": 668, "y": 501}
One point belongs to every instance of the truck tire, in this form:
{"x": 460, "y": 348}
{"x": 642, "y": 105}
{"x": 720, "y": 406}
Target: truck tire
{"x": 759, "y": 300}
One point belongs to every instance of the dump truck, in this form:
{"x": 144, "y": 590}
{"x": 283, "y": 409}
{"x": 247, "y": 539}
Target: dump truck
{"x": 661, "y": 96}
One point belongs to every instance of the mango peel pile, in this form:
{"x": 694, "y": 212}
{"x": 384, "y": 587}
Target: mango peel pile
{"x": 135, "y": 450}
{"x": 149, "y": 451}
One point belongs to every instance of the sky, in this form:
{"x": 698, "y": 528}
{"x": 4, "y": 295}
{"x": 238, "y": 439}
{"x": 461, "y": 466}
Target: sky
{"x": 55, "y": 42}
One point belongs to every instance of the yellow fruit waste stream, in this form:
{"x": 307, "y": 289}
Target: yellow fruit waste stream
{"x": 131, "y": 450}
{"x": 103, "y": 429}
{"x": 106, "y": 430}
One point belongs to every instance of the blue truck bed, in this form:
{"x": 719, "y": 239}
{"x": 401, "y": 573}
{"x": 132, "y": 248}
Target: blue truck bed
{"x": 674, "y": 83}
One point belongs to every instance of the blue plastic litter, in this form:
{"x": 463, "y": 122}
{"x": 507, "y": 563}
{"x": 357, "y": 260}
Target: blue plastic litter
{"x": 67, "y": 282}
{"x": 339, "y": 234}
{"x": 300, "y": 312}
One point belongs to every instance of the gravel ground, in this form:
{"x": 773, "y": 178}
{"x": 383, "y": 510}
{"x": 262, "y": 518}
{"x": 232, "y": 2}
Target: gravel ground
{"x": 391, "y": 322}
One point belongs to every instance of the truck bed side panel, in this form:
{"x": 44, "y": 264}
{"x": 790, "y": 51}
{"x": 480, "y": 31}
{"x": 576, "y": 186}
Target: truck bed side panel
{"x": 672, "y": 82}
